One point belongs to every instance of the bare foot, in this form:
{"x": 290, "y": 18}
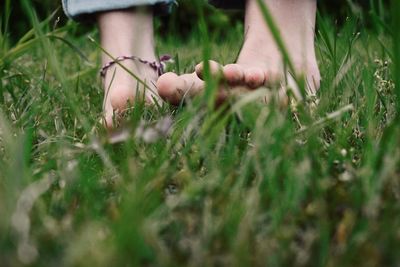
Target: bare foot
{"x": 254, "y": 70}
{"x": 173, "y": 88}
{"x": 127, "y": 33}
{"x": 260, "y": 62}
{"x": 122, "y": 89}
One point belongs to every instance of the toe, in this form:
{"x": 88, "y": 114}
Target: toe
{"x": 233, "y": 74}
{"x": 254, "y": 77}
{"x": 193, "y": 85}
{"x": 108, "y": 121}
{"x": 108, "y": 115}
{"x": 215, "y": 69}
{"x": 222, "y": 96}
{"x": 173, "y": 88}
{"x": 167, "y": 86}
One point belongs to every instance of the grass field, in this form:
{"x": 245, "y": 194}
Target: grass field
{"x": 249, "y": 185}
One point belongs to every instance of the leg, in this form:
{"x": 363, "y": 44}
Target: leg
{"x": 124, "y": 33}
{"x": 260, "y": 62}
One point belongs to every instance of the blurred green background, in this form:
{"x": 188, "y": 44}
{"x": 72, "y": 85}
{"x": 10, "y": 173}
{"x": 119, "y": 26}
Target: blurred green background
{"x": 367, "y": 10}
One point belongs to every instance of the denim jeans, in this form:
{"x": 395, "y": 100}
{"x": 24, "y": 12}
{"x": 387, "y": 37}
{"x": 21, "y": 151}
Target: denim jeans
{"x": 77, "y": 8}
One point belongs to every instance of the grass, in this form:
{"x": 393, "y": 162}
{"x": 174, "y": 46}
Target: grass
{"x": 253, "y": 185}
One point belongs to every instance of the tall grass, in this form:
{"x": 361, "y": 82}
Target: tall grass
{"x": 248, "y": 185}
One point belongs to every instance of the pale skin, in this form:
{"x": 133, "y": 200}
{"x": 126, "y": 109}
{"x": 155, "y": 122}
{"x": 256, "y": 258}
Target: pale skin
{"x": 119, "y": 31}
{"x": 259, "y": 62}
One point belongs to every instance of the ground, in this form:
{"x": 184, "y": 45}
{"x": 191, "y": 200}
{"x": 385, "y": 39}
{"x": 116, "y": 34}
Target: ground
{"x": 249, "y": 184}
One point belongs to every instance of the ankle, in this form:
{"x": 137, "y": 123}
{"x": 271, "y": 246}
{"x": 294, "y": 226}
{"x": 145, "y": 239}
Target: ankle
{"x": 127, "y": 32}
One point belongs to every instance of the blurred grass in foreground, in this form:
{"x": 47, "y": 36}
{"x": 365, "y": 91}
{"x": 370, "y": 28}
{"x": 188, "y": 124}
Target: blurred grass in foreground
{"x": 253, "y": 185}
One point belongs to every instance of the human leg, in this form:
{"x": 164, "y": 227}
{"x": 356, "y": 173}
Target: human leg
{"x": 124, "y": 33}
{"x": 260, "y": 62}
{"x": 126, "y": 29}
